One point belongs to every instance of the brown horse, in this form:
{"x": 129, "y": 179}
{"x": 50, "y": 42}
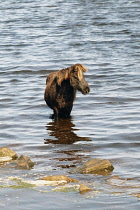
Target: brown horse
{"x": 61, "y": 87}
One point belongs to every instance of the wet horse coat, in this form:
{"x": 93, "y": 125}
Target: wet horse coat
{"x": 61, "y": 87}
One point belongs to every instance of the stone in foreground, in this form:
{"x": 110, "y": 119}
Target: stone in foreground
{"x": 84, "y": 189}
{"x": 24, "y": 162}
{"x": 59, "y": 178}
{"x": 95, "y": 166}
{"x": 7, "y": 154}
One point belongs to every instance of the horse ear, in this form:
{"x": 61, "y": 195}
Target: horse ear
{"x": 80, "y": 69}
{"x": 79, "y": 72}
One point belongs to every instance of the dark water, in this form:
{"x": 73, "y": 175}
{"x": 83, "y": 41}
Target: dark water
{"x": 38, "y": 37}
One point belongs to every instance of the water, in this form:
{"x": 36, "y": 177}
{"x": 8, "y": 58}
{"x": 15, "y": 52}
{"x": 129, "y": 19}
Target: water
{"x": 39, "y": 37}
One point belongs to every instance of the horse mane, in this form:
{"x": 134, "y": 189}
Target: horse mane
{"x": 65, "y": 74}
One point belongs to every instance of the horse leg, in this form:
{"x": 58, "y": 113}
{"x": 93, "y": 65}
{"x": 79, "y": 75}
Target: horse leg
{"x": 55, "y": 110}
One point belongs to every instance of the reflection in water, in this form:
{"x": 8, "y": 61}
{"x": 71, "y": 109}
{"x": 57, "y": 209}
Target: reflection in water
{"x": 63, "y": 131}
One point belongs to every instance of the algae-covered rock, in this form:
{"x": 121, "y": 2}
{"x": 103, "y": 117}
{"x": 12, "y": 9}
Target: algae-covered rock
{"x": 7, "y": 154}
{"x": 84, "y": 189}
{"x": 95, "y": 166}
{"x": 59, "y": 178}
{"x": 24, "y": 162}
{"x": 67, "y": 188}
{"x": 16, "y": 183}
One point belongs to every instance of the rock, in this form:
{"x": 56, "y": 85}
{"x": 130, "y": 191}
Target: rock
{"x": 24, "y": 162}
{"x": 114, "y": 177}
{"x": 7, "y": 154}
{"x": 94, "y": 166}
{"x": 67, "y": 188}
{"x": 128, "y": 183}
{"x": 137, "y": 195}
{"x": 59, "y": 178}
{"x": 84, "y": 189}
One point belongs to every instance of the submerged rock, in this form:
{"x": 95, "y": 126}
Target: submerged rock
{"x": 7, "y": 154}
{"x": 84, "y": 189}
{"x": 59, "y": 178}
{"x": 67, "y": 188}
{"x": 24, "y": 162}
{"x": 95, "y": 166}
{"x": 127, "y": 183}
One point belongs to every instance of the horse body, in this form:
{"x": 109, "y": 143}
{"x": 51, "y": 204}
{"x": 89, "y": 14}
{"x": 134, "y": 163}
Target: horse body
{"x": 61, "y": 87}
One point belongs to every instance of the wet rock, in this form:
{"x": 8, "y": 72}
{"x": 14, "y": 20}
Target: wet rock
{"x": 129, "y": 183}
{"x": 59, "y": 178}
{"x": 24, "y": 162}
{"x": 84, "y": 189}
{"x": 138, "y": 195}
{"x": 7, "y": 154}
{"x": 67, "y": 188}
{"x": 95, "y": 166}
{"x": 114, "y": 177}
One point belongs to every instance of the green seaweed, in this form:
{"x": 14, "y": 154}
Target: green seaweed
{"x": 15, "y": 179}
{"x": 4, "y": 186}
{"x": 19, "y": 184}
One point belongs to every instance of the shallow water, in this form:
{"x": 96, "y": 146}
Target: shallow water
{"x": 39, "y": 37}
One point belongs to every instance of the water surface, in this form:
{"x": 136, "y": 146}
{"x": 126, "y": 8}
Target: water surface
{"x": 39, "y": 37}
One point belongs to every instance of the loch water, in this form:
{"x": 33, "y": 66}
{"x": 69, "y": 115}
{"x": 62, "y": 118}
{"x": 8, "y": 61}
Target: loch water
{"x": 38, "y": 37}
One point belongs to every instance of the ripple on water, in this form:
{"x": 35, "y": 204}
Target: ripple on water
{"x": 39, "y": 37}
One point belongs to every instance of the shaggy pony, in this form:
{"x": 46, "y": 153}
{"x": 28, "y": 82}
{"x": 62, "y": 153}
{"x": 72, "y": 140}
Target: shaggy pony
{"x": 61, "y": 87}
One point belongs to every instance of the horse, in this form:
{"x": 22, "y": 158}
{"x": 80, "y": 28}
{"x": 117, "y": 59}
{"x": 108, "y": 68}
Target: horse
{"x": 61, "y": 87}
